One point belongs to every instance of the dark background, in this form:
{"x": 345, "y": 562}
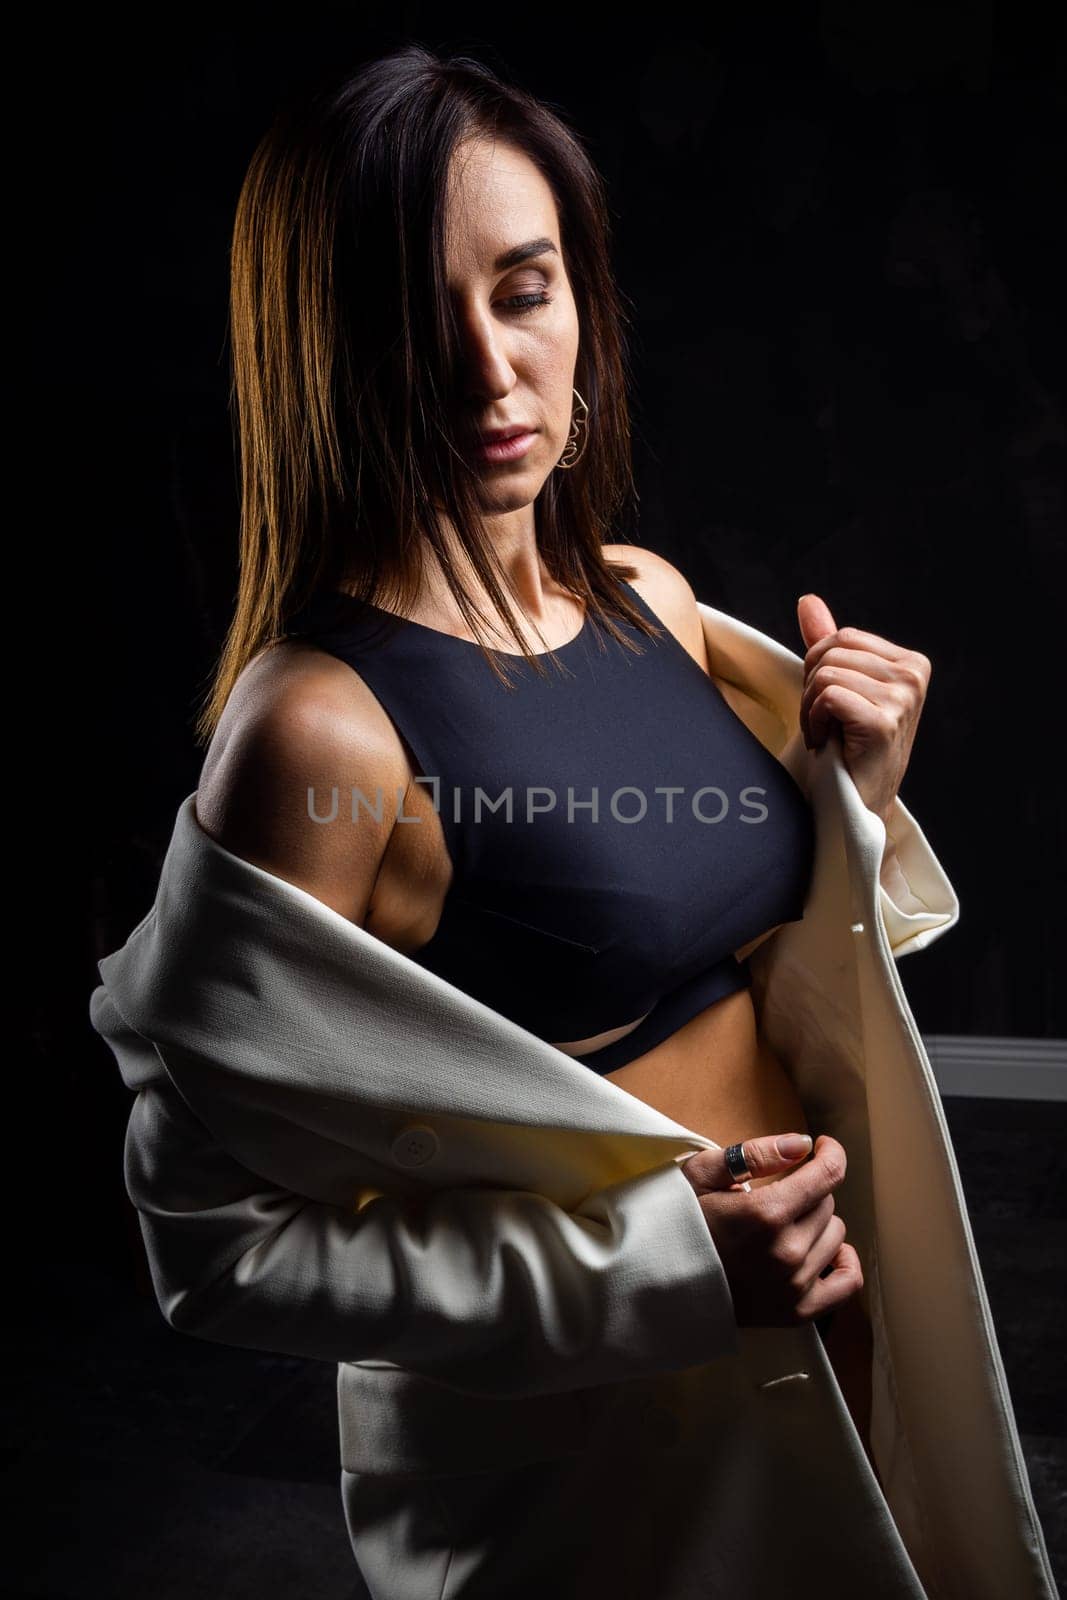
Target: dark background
{"x": 841, "y": 229}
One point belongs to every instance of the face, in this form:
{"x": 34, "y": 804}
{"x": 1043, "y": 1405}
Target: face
{"x": 518, "y": 321}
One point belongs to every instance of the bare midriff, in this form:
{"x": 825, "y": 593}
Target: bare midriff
{"x": 716, "y": 1075}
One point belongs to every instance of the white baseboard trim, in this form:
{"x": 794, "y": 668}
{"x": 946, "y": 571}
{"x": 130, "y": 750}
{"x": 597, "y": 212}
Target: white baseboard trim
{"x": 998, "y": 1068}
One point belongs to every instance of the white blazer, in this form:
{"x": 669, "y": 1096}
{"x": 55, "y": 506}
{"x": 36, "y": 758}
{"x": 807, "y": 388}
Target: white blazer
{"x": 336, "y": 1154}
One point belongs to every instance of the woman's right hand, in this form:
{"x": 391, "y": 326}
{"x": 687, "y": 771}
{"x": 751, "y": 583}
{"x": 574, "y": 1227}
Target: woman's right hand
{"x": 775, "y": 1240}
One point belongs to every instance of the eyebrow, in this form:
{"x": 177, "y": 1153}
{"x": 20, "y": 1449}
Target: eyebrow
{"x": 524, "y": 252}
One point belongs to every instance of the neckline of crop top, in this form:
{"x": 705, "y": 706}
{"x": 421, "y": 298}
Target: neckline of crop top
{"x": 469, "y": 644}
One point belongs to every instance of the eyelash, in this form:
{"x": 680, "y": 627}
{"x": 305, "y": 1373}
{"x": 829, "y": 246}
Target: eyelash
{"x": 524, "y": 303}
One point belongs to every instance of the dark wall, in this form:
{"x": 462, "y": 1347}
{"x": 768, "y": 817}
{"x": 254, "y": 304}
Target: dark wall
{"x": 841, "y": 231}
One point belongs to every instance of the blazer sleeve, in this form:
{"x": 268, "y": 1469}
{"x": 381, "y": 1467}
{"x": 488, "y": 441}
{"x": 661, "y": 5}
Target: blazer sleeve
{"x": 491, "y": 1291}
{"x": 916, "y": 900}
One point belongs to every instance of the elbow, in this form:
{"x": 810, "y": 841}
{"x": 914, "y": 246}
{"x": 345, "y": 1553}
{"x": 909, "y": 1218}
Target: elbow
{"x": 179, "y": 1311}
{"x": 191, "y": 1302}
{"x": 183, "y": 1306}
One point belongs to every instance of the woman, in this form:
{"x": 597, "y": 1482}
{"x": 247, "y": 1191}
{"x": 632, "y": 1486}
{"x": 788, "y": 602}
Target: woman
{"x": 420, "y": 262}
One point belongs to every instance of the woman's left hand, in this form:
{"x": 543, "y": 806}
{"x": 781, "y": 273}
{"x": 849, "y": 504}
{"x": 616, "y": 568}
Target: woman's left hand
{"x": 872, "y": 689}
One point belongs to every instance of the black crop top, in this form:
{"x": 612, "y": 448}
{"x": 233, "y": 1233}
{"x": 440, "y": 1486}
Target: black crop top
{"x": 615, "y": 830}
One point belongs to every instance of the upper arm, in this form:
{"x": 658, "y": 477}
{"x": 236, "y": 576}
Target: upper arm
{"x": 669, "y": 594}
{"x": 302, "y": 732}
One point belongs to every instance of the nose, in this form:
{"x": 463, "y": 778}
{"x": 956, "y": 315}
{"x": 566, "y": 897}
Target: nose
{"x": 487, "y": 364}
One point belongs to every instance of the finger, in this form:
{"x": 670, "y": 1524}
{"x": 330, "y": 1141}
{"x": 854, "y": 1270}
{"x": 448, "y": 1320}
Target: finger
{"x": 707, "y": 1169}
{"x": 799, "y": 1191}
{"x": 854, "y": 711}
{"x": 853, "y": 639}
{"x": 844, "y": 1279}
{"x": 884, "y": 668}
{"x": 804, "y": 1236}
{"x": 806, "y": 1249}
{"x": 879, "y": 691}
{"x": 821, "y": 1254}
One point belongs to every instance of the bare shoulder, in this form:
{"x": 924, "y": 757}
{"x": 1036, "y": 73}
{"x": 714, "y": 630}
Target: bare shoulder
{"x": 669, "y": 594}
{"x": 299, "y": 725}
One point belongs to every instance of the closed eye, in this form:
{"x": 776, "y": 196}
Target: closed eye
{"x": 523, "y": 303}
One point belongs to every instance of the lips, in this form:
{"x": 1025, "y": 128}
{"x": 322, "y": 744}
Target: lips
{"x": 497, "y": 435}
{"x": 510, "y": 444}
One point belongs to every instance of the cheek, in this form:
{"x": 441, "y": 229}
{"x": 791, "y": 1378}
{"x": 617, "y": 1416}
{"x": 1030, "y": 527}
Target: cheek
{"x": 560, "y": 363}
{"x": 553, "y": 379}
{"x": 561, "y": 343}
{"x": 570, "y": 340}
{"x": 553, "y": 358}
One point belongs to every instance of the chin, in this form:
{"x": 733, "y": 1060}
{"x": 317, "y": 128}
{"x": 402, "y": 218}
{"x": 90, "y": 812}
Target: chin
{"x": 514, "y": 495}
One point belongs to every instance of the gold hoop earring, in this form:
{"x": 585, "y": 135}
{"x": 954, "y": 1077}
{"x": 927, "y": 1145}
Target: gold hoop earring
{"x": 579, "y": 422}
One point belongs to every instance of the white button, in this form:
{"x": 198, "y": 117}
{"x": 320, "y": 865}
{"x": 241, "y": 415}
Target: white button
{"x": 414, "y": 1146}
{"x": 857, "y": 927}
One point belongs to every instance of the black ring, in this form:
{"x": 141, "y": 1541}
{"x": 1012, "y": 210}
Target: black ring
{"x": 736, "y": 1164}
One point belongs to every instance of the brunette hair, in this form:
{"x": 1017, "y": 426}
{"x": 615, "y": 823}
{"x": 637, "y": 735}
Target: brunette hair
{"x": 348, "y": 420}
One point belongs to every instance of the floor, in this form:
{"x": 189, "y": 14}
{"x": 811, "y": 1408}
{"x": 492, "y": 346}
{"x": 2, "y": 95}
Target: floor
{"x": 139, "y": 1462}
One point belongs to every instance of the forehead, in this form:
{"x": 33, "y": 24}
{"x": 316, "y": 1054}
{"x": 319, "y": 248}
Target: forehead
{"x": 497, "y": 199}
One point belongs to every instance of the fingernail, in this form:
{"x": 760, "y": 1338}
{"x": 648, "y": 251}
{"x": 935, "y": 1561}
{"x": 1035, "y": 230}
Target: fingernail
{"x": 791, "y": 1145}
